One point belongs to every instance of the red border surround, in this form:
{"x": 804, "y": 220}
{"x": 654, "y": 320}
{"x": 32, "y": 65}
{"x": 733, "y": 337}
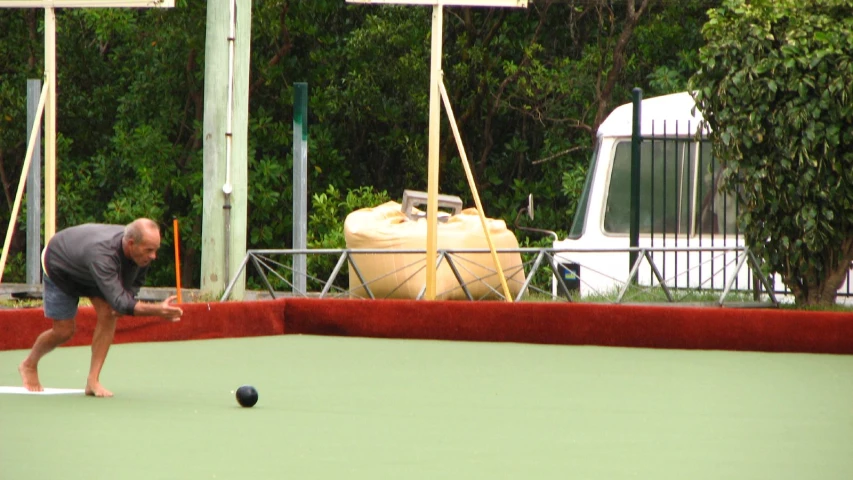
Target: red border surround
{"x": 19, "y": 328}
{"x": 577, "y": 324}
{"x": 529, "y": 322}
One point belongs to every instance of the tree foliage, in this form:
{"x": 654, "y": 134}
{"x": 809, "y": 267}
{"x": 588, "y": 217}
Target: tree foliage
{"x": 776, "y": 86}
{"x": 528, "y": 88}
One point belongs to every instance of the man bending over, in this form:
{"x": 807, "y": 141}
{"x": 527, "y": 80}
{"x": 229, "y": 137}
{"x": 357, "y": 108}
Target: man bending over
{"x": 107, "y": 264}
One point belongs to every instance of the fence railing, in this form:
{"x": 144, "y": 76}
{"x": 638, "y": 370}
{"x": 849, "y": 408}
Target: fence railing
{"x": 337, "y": 273}
{"x": 680, "y": 201}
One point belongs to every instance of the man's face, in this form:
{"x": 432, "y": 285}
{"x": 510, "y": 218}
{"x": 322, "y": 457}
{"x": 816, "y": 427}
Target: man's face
{"x": 145, "y": 251}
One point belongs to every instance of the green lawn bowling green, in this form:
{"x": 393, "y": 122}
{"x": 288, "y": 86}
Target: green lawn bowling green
{"x": 355, "y": 408}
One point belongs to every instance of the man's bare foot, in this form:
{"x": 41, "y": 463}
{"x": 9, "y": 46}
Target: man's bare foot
{"x": 30, "y": 377}
{"x": 95, "y": 389}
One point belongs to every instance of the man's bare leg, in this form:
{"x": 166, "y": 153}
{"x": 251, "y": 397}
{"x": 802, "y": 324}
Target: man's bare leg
{"x": 61, "y": 332}
{"x": 101, "y": 340}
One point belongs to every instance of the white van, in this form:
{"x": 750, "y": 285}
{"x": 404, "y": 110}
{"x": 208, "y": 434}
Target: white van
{"x": 682, "y": 211}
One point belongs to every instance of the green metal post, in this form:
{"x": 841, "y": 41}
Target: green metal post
{"x": 300, "y": 185}
{"x": 636, "y": 138}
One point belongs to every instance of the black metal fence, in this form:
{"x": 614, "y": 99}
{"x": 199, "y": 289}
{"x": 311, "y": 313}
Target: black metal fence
{"x": 673, "y": 182}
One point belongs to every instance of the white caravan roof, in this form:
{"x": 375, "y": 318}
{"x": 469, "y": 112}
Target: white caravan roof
{"x": 670, "y": 114}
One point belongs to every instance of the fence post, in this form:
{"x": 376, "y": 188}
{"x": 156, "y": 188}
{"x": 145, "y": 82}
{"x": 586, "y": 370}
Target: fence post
{"x": 34, "y": 189}
{"x": 300, "y": 185}
{"x": 637, "y": 95}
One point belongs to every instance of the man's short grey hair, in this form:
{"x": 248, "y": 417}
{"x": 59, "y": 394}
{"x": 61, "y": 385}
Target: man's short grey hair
{"x": 135, "y": 229}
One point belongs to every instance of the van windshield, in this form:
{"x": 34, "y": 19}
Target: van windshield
{"x": 678, "y": 190}
{"x": 580, "y": 213}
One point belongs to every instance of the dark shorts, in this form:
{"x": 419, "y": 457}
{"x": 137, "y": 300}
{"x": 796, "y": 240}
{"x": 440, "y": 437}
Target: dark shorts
{"x": 58, "y": 305}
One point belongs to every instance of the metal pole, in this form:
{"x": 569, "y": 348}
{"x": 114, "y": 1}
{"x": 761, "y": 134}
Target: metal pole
{"x": 16, "y": 205}
{"x": 34, "y": 188}
{"x": 636, "y": 132}
{"x": 227, "y": 187}
{"x": 300, "y": 185}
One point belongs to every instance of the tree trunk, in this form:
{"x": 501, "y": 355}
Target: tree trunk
{"x": 824, "y": 293}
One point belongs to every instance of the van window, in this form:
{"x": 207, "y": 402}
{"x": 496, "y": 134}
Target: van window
{"x": 583, "y": 204}
{"x": 678, "y": 195}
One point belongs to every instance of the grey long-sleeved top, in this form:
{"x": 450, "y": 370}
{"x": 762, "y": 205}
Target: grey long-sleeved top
{"x": 88, "y": 261}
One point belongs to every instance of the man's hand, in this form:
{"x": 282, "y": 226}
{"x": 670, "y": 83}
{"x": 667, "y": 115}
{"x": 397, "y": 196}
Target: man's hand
{"x": 163, "y": 309}
{"x": 169, "y": 311}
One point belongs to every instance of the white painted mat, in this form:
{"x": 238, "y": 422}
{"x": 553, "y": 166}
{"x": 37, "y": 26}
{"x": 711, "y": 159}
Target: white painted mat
{"x": 47, "y": 391}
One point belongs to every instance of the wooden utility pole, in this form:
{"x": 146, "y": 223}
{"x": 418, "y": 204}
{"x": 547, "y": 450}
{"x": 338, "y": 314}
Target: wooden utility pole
{"x": 226, "y": 126}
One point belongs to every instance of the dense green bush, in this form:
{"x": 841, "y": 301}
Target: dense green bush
{"x": 776, "y": 86}
{"x": 528, "y": 88}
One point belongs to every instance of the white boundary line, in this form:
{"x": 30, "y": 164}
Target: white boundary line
{"x": 47, "y": 391}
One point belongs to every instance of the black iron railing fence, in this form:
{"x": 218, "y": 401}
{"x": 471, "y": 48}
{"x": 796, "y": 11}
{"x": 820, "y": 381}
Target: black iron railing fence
{"x": 673, "y": 181}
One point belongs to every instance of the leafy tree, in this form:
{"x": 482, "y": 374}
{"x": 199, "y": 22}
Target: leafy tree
{"x": 527, "y": 87}
{"x": 532, "y": 87}
{"x": 776, "y": 86}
